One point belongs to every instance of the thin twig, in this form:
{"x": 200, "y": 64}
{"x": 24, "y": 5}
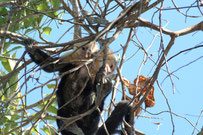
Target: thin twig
{"x": 169, "y": 107}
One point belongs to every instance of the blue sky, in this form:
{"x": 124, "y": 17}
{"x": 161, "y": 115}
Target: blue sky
{"x": 187, "y": 100}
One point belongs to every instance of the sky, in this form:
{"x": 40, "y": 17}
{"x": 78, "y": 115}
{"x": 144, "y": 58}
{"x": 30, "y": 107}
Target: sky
{"x": 187, "y": 100}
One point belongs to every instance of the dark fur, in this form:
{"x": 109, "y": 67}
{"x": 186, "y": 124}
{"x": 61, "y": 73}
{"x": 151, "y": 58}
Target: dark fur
{"x": 72, "y": 84}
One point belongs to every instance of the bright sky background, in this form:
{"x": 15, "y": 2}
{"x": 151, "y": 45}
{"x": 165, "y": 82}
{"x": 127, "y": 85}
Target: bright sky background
{"x": 187, "y": 100}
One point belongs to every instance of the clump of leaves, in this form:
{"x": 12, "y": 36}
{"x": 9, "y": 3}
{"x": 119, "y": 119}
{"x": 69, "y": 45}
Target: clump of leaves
{"x": 137, "y": 86}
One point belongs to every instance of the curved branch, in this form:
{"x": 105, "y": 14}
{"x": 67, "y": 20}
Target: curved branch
{"x": 190, "y": 29}
{"x": 145, "y": 23}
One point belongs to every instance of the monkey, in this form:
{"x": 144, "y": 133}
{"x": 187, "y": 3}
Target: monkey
{"x": 89, "y": 124}
{"x": 77, "y": 92}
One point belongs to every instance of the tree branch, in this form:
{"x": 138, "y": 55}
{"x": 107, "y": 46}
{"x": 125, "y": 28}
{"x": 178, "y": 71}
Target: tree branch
{"x": 155, "y": 75}
{"x": 145, "y": 23}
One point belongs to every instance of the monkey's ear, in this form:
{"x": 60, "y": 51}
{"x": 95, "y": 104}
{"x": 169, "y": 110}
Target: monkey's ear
{"x": 29, "y": 41}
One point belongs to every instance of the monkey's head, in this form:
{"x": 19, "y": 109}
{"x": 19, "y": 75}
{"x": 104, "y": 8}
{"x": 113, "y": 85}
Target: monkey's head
{"x": 85, "y": 49}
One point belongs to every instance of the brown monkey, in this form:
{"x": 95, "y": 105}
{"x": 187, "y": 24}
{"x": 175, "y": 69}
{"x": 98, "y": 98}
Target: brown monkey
{"x": 77, "y": 92}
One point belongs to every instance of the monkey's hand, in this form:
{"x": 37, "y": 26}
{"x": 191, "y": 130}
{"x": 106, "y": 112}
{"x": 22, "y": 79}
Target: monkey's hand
{"x": 103, "y": 85}
{"x": 99, "y": 79}
{"x": 110, "y": 76}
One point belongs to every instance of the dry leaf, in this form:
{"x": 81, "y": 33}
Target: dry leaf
{"x": 149, "y": 101}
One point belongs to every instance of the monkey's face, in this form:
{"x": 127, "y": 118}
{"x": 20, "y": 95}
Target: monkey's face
{"x": 85, "y": 50}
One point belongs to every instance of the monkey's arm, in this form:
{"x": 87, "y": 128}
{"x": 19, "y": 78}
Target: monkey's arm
{"x": 42, "y": 59}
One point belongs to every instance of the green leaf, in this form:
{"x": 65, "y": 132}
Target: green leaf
{"x": 55, "y": 3}
{"x": 31, "y": 22}
{"x": 35, "y": 129}
{"x": 6, "y": 95}
{"x": 7, "y": 128}
{"x": 49, "y": 129}
{"x": 51, "y": 119}
{"x": 8, "y": 117}
{"x": 13, "y": 82}
{"x": 15, "y": 117}
{"x": 15, "y": 48}
{"x": 55, "y": 14}
{"x": 6, "y": 46}
{"x": 3, "y": 15}
{"x": 51, "y": 109}
{"x": 3, "y": 10}
{"x": 43, "y": 6}
{"x": 51, "y": 86}
{"x": 47, "y": 30}
{"x": 60, "y": 16}
{"x": 38, "y": 20}
{"x": 2, "y": 73}
{"x": 29, "y": 30}
{"x": 1, "y": 1}
{"x": 52, "y": 14}
{"x": 8, "y": 64}
{"x": 28, "y": 22}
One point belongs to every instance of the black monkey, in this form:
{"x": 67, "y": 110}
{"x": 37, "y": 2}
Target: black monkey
{"x": 82, "y": 88}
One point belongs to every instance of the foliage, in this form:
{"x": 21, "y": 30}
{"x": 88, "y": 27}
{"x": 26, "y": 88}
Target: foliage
{"x": 23, "y": 18}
